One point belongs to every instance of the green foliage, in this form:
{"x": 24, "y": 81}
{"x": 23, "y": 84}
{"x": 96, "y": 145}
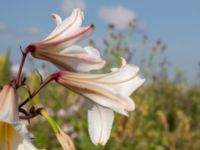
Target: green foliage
{"x": 166, "y": 117}
{"x": 4, "y": 68}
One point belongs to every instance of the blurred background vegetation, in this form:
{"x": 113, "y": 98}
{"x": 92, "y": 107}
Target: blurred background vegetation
{"x": 167, "y": 113}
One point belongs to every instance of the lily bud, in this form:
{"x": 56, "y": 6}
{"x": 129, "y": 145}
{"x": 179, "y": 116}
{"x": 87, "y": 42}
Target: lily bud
{"x": 65, "y": 140}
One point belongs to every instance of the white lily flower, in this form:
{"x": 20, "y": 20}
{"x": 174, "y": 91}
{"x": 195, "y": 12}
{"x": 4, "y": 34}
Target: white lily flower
{"x": 109, "y": 92}
{"x": 58, "y": 47}
{"x": 8, "y": 105}
{"x": 13, "y": 134}
{"x": 14, "y": 137}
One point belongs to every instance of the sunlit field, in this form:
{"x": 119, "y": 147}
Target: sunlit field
{"x": 167, "y": 109}
{"x": 114, "y": 90}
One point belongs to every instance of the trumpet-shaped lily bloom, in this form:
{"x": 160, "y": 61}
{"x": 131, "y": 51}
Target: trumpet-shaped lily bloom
{"x": 58, "y": 47}
{"x": 108, "y": 92}
{"x": 8, "y": 105}
{"x": 14, "y": 137}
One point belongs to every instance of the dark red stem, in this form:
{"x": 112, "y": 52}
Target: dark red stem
{"x": 24, "y": 54}
{"x": 31, "y": 115}
{"x": 47, "y": 81}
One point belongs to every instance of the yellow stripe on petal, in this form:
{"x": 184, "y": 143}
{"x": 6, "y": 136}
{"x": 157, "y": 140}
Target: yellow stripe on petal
{"x": 6, "y": 135}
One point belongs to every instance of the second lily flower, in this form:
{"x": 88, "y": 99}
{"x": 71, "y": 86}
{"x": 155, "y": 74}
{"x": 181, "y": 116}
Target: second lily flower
{"x": 108, "y": 92}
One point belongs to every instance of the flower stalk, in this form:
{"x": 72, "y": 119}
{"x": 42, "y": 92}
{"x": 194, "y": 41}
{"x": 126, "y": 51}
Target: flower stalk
{"x": 24, "y": 55}
{"x": 52, "y": 77}
{"x": 50, "y": 121}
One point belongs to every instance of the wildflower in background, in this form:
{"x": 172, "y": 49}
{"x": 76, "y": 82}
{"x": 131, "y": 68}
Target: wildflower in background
{"x": 58, "y": 47}
{"x": 8, "y": 105}
{"x": 108, "y": 92}
{"x": 61, "y": 113}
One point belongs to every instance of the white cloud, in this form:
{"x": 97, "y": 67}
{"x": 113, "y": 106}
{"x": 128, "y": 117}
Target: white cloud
{"x": 33, "y": 31}
{"x": 68, "y": 5}
{"x": 3, "y": 26}
{"x": 12, "y": 38}
{"x": 5, "y": 29}
{"x": 119, "y": 16}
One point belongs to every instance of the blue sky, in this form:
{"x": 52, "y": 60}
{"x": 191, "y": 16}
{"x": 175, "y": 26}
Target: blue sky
{"x": 175, "y": 22}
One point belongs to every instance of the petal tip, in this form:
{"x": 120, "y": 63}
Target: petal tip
{"x": 57, "y": 19}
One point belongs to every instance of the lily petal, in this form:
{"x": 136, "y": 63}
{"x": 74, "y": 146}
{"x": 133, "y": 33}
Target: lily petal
{"x": 100, "y": 120}
{"x": 82, "y": 59}
{"x": 12, "y": 138}
{"x": 8, "y": 105}
{"x": 75, "y": 58}
{"x": 57, "y": 19}
{"x": 25, "y": 145}
{"x": 62, "y": 41}
{"x": 70, "y": 24}
{"x": 65, "y": 33}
